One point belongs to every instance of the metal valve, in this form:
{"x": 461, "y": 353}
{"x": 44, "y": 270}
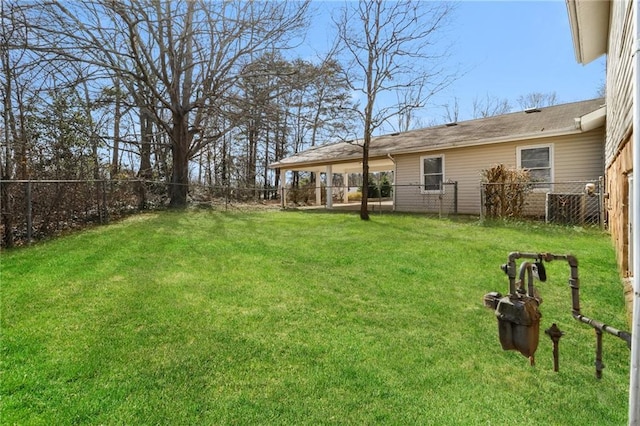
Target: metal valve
{"x": 518, "y": 312}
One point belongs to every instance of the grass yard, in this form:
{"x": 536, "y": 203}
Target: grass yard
{"x": 300, "y": 318}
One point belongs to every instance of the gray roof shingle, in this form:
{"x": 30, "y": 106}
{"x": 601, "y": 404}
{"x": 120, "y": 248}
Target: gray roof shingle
{"x": 544, "y": 122}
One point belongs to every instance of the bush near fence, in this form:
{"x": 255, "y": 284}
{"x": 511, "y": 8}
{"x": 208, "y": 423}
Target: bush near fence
{"x": 34, "y": 210}
{"x": 578, "y": 203}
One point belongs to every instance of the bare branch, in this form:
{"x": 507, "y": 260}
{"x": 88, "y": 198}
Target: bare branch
{"x": 391, "y": 48}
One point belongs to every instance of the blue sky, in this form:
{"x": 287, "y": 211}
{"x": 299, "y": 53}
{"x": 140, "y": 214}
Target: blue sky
{"x": 507, "y": 49}
{"x": 514, "y": 48}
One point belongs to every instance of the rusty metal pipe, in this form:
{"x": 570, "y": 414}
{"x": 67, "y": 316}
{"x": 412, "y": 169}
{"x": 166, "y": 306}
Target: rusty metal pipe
{"x": 624, "y": 335}
{"x": 529, "y": 269}
{"x": 510, "y": 267}
{"x": 574, "y": 284}
{"x": 555, "y": 334}
{"x": 599, "y": 363}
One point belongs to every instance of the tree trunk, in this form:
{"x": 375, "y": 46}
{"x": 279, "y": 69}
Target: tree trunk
{"x": 265, "y": 173}
{"x": 178, "y": 188}
{"x": 224, "y": 167}
{"x": 146, "y": 135}
{"x": 117, "y": 116}
{"x": 364, "y": 204}
{"x": 252, "y": 154}
{"x": 22, "y": 140}
{"x": 366, "y": 143}
{"x": 7, "y": 216}
{"x": 6, "y": 169}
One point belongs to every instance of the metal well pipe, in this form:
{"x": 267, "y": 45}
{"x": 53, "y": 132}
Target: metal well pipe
{"x": 574, "y": 283}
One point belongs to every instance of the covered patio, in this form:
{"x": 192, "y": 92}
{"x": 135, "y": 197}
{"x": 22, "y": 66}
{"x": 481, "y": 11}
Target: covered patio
{"x": 326, "y": 161}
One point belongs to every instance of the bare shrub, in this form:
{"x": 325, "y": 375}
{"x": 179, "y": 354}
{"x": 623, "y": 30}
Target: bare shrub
{"x": 505, "y": 191}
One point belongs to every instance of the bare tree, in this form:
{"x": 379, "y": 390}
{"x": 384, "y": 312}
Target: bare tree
{"x": 452, "y": 111}
{"x": 328, "y": 110}
{"x": 537, "y": 100}
{"x": 490, "y": 106}
{"x": 186, "y": 56}
{"x": 10, "y": 30}
{"x": 406, "y": 118}
{"x": 390, "y": 47}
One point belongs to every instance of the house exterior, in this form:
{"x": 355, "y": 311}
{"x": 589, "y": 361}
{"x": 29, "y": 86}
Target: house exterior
{"x": 613, "y": 28}
{"x": 607, "y": 27}
{"x": 561, "y": 142}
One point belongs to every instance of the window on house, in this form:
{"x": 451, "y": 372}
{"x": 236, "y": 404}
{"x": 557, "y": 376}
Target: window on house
{"x": 539, "y": 161}
{"x": 432, "y": 170}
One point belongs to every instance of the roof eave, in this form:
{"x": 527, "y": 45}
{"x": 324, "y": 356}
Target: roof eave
{"x": 491, "y": 141}
{"x": 306, "y": 165}
{"x": 589, "y": 21}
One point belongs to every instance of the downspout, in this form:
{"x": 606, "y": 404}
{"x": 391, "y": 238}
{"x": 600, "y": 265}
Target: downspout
{"x": 634, "y": 381}
{"x": 393, "y": 185}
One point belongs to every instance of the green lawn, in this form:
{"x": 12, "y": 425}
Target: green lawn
{"x": 300, "y": 318}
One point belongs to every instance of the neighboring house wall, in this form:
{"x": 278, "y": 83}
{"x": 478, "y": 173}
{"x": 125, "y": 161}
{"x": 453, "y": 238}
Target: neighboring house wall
{"x": 618, "y": 161}
{"x": 575, "y": 158}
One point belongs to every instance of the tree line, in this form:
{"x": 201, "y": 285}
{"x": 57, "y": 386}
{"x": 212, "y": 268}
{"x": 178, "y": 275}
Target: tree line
{"x": 208, "y": 91}
{"x": 164, "y": 90}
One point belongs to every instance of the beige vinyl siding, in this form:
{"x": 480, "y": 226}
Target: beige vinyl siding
{"x": 619, "y": 78}
{"x": 576, "y": 157}
{"x": 579, "y": 157}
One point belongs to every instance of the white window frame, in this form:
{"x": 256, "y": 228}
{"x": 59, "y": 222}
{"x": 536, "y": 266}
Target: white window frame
{"x": 546, "y": 186}
{"x": 430, "y": 191}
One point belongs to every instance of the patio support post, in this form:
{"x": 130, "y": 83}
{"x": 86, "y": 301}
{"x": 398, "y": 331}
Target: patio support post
{"x": 318, "y": 189}
{"x": 283, "y": 187}
{"x": 329, "y": 173}
{"x": 345, "y": 187}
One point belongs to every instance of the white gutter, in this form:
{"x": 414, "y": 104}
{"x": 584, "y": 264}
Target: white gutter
{"x": 589, "y": 21}
{"x": 592, "y": 120}
{"x": 634, "y": 380}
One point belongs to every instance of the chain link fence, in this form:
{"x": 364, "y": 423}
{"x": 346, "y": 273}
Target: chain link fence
{"x": 34, "y": 210}
{"x": 413, "y": 198}
{"x": 578, "y": 203}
